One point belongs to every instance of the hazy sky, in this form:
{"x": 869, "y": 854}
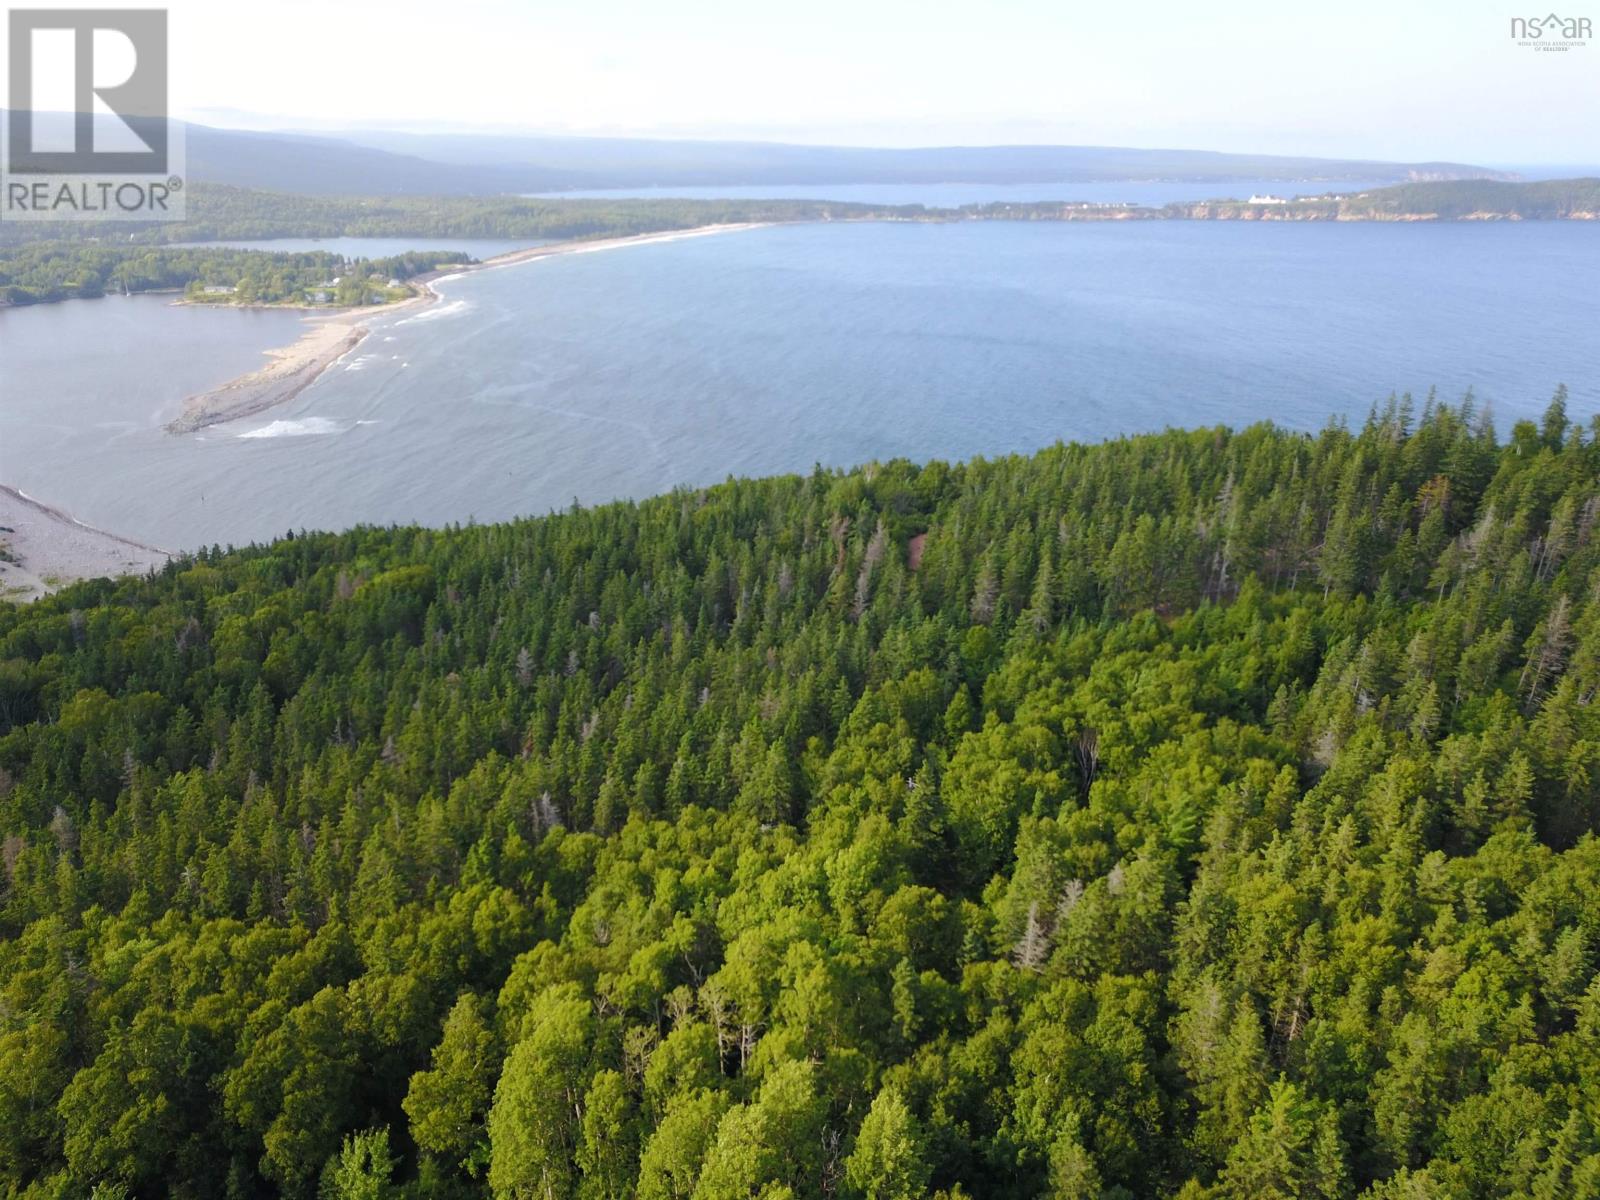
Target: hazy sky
{"x": 1397, "y": 79}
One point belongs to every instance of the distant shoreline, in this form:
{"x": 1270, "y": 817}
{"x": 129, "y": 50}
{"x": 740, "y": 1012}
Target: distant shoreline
{"x": 295, "y": 367}
{"x": 1473, "y": 201}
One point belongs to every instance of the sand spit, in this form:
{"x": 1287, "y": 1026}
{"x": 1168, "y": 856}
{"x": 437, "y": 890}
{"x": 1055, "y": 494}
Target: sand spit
{"x": 294, "y": 368}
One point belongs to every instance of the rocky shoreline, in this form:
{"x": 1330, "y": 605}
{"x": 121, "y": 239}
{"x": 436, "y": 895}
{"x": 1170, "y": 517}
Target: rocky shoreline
{"x": 42, "y": 549}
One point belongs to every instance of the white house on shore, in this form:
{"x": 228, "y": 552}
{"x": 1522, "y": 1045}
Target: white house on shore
{"x": 1269, "y": 199}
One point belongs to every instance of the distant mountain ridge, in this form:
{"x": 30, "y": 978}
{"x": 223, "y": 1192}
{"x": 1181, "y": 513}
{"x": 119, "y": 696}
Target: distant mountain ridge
{"x": 395, "y": 164}
{"x": 640, "y": 162}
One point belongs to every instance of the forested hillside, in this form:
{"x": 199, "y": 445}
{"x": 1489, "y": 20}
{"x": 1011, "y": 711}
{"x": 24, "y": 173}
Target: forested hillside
{"x": 1443, "y": 200}
{"x": 1207, "y": 815}
{"x": 398, "y": 163}
{"x": 1543, "y": 199}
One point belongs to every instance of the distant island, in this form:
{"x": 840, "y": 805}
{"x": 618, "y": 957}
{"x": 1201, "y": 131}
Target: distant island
{"x": 40, "y": 264}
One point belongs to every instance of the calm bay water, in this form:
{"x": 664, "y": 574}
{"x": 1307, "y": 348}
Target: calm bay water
{"x": 624, "y": 373}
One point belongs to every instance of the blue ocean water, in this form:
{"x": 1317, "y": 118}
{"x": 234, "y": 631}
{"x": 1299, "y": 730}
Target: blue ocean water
{"x": 626, "y": 372}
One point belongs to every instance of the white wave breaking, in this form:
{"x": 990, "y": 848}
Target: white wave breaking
{"x": 302, "y": 427}
{"x": 452, "y": 309}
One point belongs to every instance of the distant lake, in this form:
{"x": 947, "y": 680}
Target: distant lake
{"x": 1151, "y": 193}
{"x": 625, "y": 372}
{"x": 379, "y": 247}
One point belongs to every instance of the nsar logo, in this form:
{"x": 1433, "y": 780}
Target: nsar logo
{"x": 1552, "y": 32}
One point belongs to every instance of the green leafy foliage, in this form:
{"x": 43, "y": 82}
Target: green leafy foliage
{"x": 1209, "y": 815}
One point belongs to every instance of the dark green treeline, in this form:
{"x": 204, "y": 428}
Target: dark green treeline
{"x": 1207, "y": 815}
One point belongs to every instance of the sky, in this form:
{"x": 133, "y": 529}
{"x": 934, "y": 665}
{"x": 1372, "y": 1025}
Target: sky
{"x": 1401, "y": 79}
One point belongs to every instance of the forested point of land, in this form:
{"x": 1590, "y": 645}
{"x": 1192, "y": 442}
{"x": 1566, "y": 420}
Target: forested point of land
{"x": 49, "y": 271}
{"x": 1205, "y": 815}
{"x": 1442, "y": 200}
{"x": 1455, "y": 199}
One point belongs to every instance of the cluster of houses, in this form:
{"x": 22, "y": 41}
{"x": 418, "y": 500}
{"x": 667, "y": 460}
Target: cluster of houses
{"x": 323, "y": 293}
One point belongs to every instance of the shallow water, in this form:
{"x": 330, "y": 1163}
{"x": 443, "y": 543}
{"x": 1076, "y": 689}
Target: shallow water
{"x": 626, "y": 372}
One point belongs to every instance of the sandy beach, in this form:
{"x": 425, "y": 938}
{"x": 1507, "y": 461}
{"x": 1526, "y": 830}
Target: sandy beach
{"x": 42, "y": 549}
{"x": 328, "y": 338}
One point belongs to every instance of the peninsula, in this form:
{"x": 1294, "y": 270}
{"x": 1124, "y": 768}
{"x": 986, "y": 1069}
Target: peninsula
{"x": 330, "y": 337}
